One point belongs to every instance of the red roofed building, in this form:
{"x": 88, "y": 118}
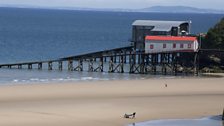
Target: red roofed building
{"x": 143, "y": 28}
{"x": 157, "y": 44}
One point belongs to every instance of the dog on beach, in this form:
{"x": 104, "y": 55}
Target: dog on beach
{"x": 132, "y": 116}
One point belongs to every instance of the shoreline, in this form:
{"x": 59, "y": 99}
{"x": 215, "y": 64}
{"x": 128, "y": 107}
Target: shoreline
{"x": 103, "y": 103}
{"x": 156, "y": 77}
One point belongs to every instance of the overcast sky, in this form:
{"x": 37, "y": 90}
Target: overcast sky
{"x": 126, "y": 4}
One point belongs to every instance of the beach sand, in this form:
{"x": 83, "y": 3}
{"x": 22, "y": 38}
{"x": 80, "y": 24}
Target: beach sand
{"x": 103, "y": 103}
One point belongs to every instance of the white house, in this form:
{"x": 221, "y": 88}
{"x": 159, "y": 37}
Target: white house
{"x": 157, "y": 44}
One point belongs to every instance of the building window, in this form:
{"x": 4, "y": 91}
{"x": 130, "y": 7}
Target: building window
{"x": 151, "y": 46}
{"x": 189, "y": 45}
{"x": 174, "y": 45}
{"x": 164, "y": 45}
{"x": 181, "y": 45}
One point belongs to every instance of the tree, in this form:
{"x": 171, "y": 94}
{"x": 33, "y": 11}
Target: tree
{"x": 215, "y": 37}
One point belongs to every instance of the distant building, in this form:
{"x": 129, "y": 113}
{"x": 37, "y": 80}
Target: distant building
{"x": 143, "y": 28}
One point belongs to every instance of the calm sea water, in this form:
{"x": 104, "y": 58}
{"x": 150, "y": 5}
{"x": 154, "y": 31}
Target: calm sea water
{"x": 35, "y": 34}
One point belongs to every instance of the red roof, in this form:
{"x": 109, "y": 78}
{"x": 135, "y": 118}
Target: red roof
{"x": 171, "y": 38}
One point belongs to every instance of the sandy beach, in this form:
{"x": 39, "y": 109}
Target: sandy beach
{"x": 103, "y": 103}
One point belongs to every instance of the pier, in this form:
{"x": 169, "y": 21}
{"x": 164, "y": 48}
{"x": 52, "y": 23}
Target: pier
{"x": 123, "y": 60}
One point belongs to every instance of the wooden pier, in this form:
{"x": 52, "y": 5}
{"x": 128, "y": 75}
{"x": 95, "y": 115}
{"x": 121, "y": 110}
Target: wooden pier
{"x": 122, "y": 60}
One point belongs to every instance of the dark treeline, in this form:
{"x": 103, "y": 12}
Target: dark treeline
{"x": 214, "y": 39}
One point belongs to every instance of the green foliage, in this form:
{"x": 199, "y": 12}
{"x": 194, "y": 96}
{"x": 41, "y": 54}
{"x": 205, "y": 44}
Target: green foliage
{"x": 215, "y": 37}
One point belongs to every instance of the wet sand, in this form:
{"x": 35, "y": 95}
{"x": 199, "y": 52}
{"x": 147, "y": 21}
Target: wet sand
{"x": 103, "y": 103}
{"x": 206, "y": 121}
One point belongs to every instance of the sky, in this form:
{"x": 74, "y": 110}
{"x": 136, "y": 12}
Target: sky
{"x": 124, "y": 4}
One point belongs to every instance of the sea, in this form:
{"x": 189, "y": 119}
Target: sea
{"x": 45, "y": 34}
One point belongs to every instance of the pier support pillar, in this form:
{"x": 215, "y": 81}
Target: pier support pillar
{"x": 125, "y": 57}
{"x": 163, "y": 62}
{"x": 132, "y": 63}
{"x": 60, "y": 65}
{"x": 80, "y": 66}
{"x": 39, "y": 66}
{"x": 101, "y": 64}
{"x": 122, "y": 64}
{"x": 174, "y": 64}
{"x": 70, "y": 65}
{"x": 133, "y": 66}
{"x": 129, "y": 60}
{"x": 196, "y": 64}
{"x": 91, "y": 69}
{"x": 115, "y": 58}
{"x": 100, "y": 67}
{"x": 30, "y": 66}
{"x": 139, "y": 58}
{"x": 147, "y": 64}
{"x": 50, "y": 66}
{"x": 105, "y": 59}
{"x": 153, "y": 63}
{"x": 20, "y": 66}
{"x": 142, "y": 64}
{"x": 111, "y": 65}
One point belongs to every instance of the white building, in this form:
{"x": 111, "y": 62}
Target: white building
{"x": 157, "y": 44}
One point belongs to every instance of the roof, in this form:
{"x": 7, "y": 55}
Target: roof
{"x": 159, "y": 25}
{"x": 171, "y": 38}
